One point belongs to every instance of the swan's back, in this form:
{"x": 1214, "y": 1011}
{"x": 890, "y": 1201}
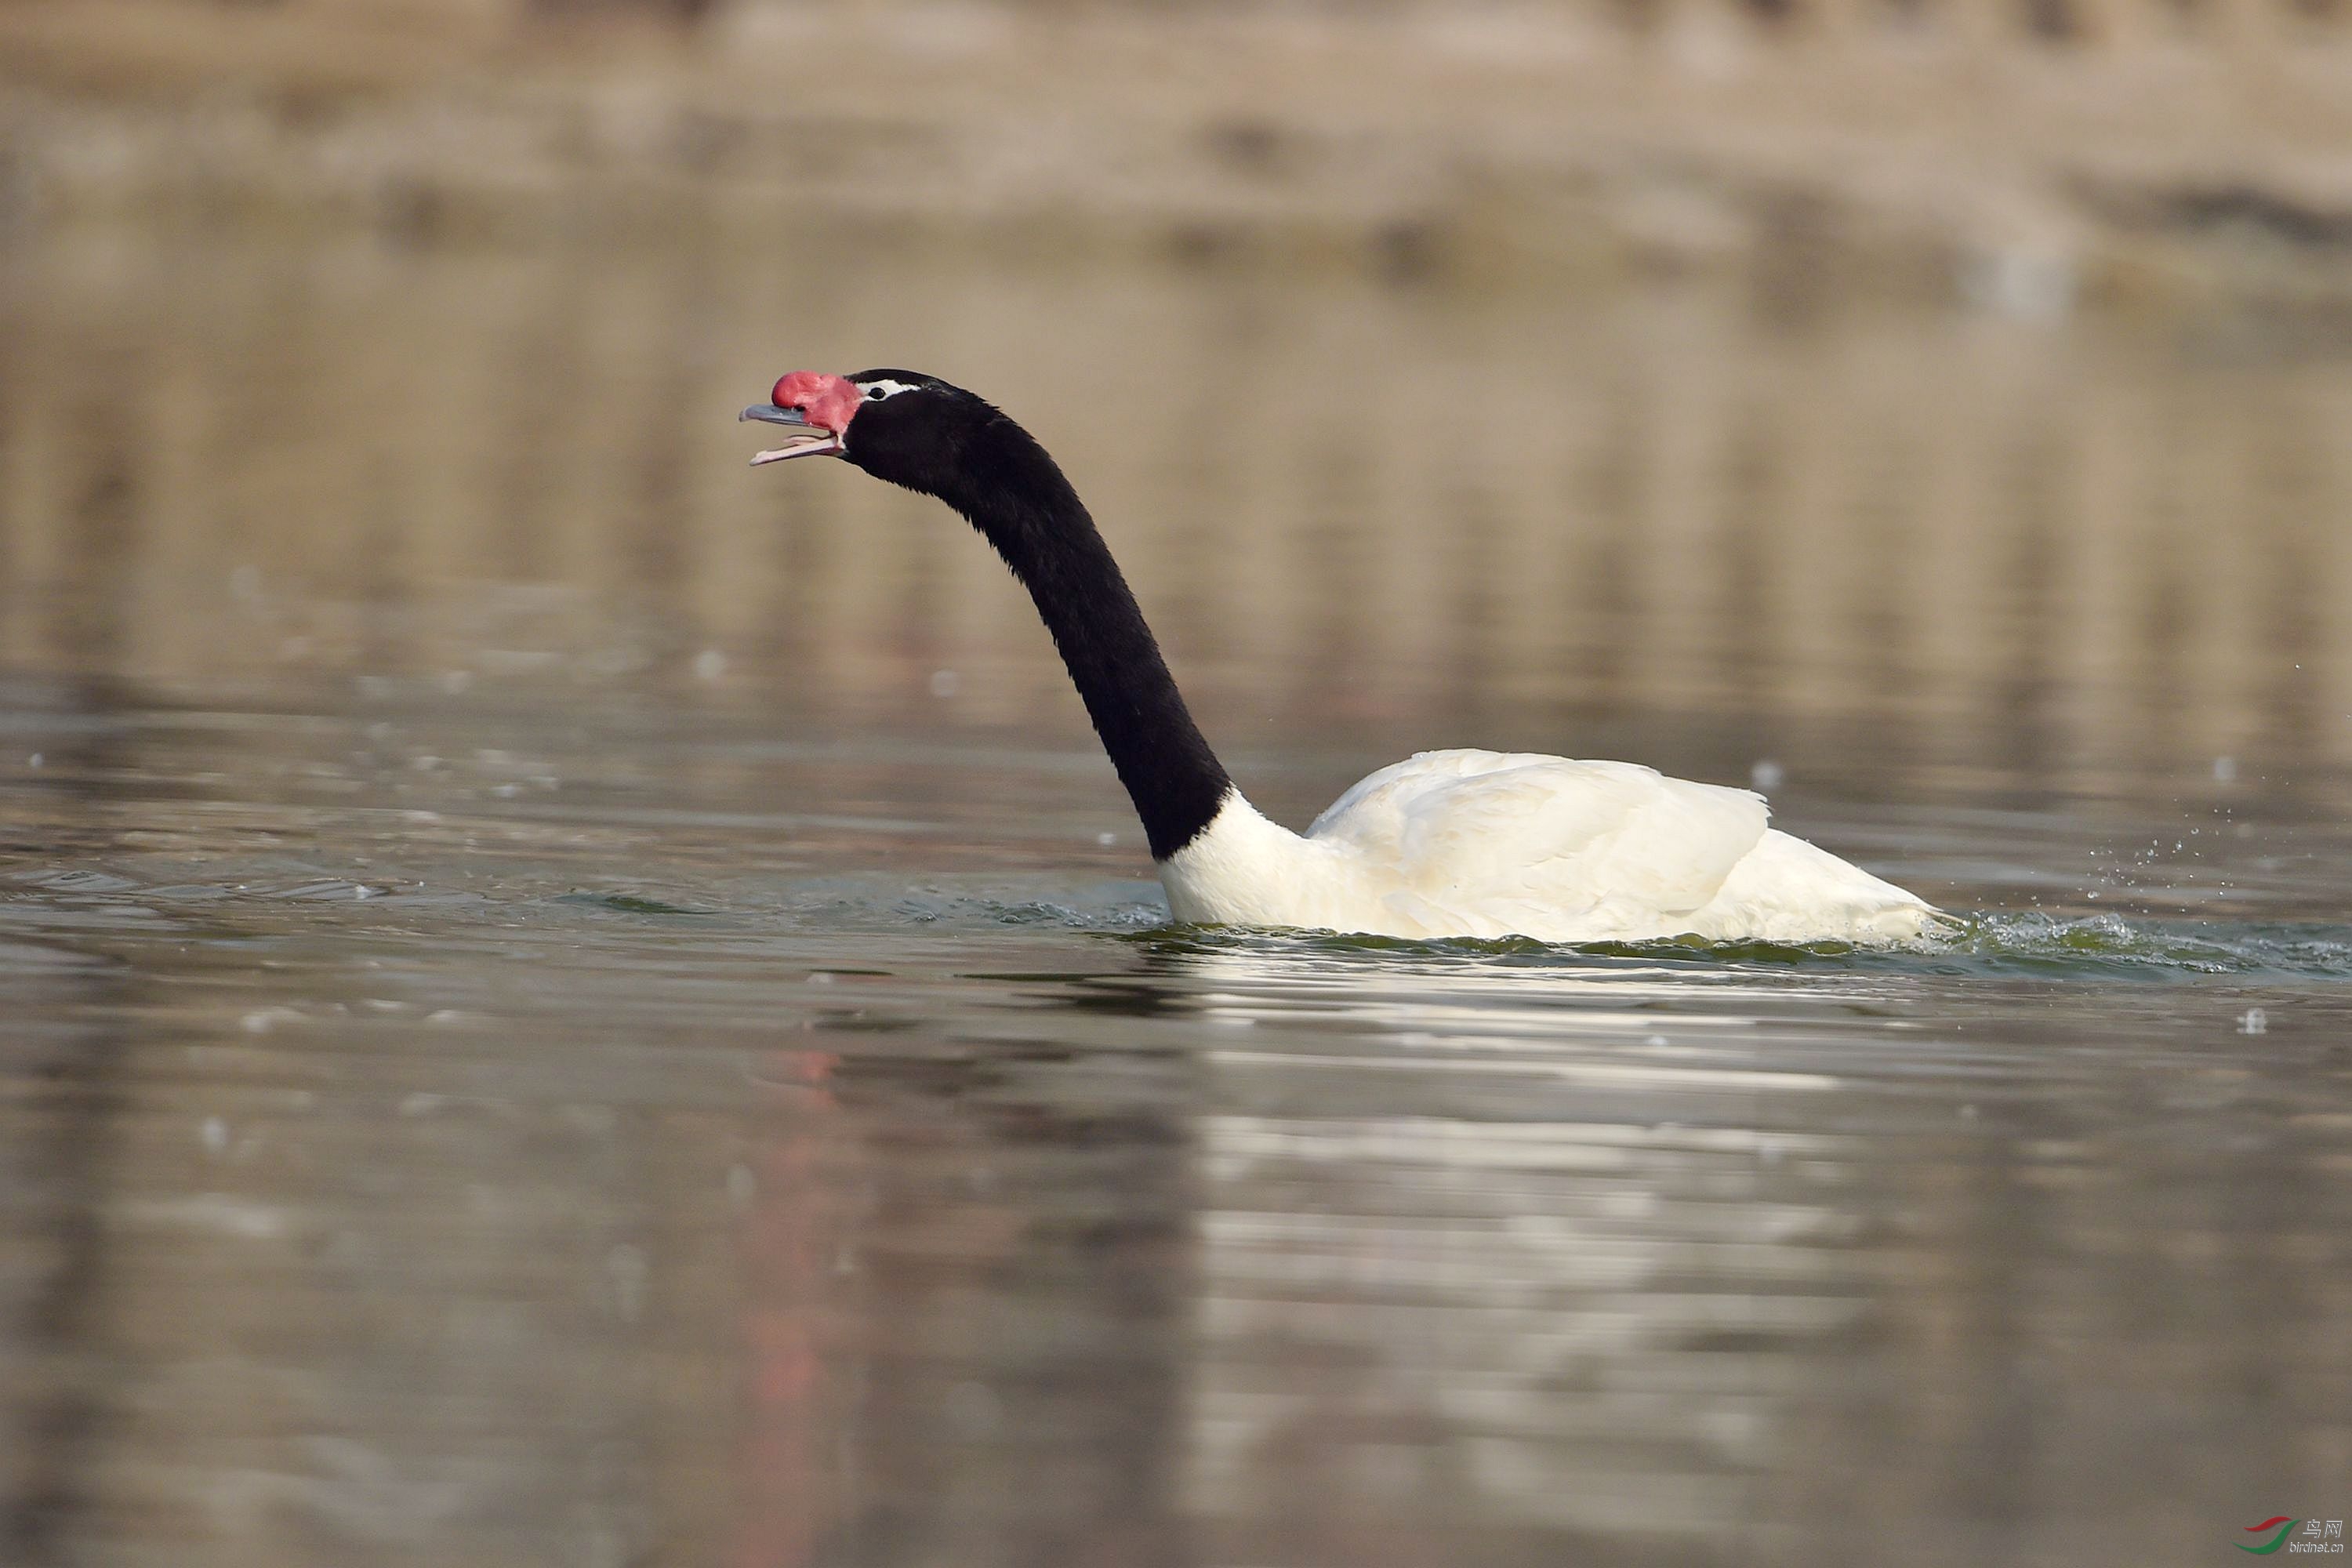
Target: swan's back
{"x": 1498, "y": 843}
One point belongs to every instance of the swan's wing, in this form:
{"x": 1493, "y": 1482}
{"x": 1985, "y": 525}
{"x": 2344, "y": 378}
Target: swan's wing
{"x": 1534, "y": 844}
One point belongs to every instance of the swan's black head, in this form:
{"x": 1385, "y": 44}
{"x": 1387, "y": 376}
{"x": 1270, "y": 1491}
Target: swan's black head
{"x": 901, "y": 426}
{"x": 918, "y": 431}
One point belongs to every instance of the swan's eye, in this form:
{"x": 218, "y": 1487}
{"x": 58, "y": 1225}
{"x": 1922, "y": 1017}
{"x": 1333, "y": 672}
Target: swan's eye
{"x": 875, "y": 394}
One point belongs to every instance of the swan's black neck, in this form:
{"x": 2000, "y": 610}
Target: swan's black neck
{"x": 1010, "y": 489}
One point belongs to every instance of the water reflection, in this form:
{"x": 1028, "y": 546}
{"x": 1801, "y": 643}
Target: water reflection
{"x": 1966, "y": 545}
{"x": 1488, "y": 1252}
{"x": 1558, "y": 1256}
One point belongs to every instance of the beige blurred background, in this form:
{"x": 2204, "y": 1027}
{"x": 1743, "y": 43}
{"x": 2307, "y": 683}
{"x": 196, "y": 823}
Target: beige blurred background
{"x": 1957, "y": 368}
{"x": 2030, "y": 152}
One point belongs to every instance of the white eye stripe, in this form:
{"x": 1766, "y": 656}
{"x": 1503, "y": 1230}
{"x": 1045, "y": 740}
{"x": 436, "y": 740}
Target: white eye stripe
{"x": 876, "y": 391}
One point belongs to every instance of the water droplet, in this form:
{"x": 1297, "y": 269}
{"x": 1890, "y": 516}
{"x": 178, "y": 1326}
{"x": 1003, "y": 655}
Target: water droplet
{"x": 1766, "y": 775}
{"x": 741, "y": 1185}
{"x": 2253, "y": 1021}
{"x": 710, "y": 664}
{"x": 457, "y": 681}
{"x": 2225, "y": 769}
{"x": 34, "y": 760}
{"x": 215, "y": 1135}
{"x": 1106, "y": 839}
{"x": 944, "y": 682}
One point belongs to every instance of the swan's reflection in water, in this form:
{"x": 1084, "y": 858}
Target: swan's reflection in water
{"x": 1493, "y": 1247}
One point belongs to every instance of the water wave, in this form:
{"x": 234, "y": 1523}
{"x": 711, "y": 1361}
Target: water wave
{"x": 1992, "y": 942}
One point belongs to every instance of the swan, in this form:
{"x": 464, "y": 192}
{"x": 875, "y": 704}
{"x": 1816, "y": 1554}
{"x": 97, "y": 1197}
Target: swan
{"x": 1445, "y": 844}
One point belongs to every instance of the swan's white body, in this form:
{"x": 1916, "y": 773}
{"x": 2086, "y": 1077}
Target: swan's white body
{"x": 1495, "y": 844}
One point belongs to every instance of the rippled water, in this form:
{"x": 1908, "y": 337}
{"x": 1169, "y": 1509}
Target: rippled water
{"x": 553, "y": 1023}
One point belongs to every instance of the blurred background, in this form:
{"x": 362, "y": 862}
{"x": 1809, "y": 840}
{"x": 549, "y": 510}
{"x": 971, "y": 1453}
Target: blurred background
{"x": 565, "y": 1000}
{"x": 1874, "y": 360}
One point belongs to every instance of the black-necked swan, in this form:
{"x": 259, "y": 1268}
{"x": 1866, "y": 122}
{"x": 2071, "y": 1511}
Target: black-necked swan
{"x": 1447, "y": 844}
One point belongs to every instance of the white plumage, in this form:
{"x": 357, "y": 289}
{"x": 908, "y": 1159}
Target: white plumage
{"x": 1494, "y": 844}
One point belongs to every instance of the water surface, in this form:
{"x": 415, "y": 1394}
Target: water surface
{"x": 562, "y": 1001}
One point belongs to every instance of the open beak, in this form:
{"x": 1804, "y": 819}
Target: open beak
{"x": 809, "y": 440}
